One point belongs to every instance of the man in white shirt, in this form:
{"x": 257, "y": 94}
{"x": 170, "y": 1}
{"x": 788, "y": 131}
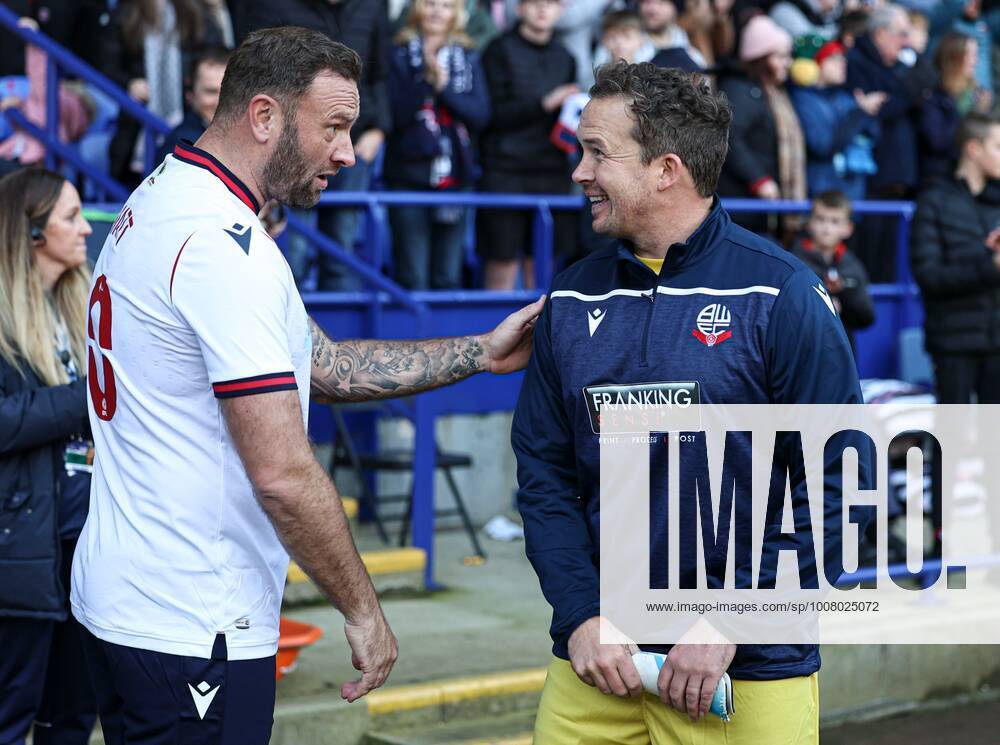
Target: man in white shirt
{"x": 201, "y": 361}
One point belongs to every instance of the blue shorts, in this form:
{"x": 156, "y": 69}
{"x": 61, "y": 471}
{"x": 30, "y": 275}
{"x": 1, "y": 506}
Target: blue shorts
{"x": 152, "y": 698}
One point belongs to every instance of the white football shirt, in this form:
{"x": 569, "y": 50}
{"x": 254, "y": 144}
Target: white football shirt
{"x": 192, "y": 302}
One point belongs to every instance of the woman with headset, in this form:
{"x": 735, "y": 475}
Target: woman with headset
{"x": 45, "y": 457}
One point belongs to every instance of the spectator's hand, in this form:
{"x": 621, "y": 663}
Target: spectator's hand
{"x": 10, "y": 102}
{"x": 723, "y": 7}
{"x": 27, "y": 22}
{"x": 834, "y": 285}
{"x": 368, "y": 144}
{"x": 984, "y": 100}
{"x": 436, "y": 75}
{"x": 508, "y": 346}
{"x": 138, "y": 89}
{"x": 555, "y": 98}
{"x": 870, "y": 103}
{"x": 608, "y": 667}
{"x": 271, "y": 210}
{"x": 373, "y": 652}
{"x": 769, "y": 190}
{"x": 993, "y": 240}
{"x": 690, "y": 675}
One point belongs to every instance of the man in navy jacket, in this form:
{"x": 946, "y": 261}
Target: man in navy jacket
{"x": 653, "y": 143}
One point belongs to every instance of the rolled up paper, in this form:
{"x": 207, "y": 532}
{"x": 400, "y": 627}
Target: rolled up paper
{"x": 649, "y": 664}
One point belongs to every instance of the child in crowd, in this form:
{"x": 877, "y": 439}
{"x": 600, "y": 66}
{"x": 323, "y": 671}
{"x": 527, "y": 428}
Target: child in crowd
{"x": 622, "y": 38}
{"x": 824, "y": 250}
{"x": 840, "y": 127}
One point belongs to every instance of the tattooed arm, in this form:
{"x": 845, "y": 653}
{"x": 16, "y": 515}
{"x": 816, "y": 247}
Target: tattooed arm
{"x": 366, "y": 369}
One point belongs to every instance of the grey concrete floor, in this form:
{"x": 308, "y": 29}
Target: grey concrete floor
{"x": 491, "y": 617}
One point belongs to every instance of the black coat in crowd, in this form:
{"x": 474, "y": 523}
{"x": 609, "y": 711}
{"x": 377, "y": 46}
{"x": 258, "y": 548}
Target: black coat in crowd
{"x": 35, "y": 422}
{"x": 519, "y": 74}
{"x": 955, "y": 271}
{"x": 753, "y": 145}
{"x": 363, "y": 25}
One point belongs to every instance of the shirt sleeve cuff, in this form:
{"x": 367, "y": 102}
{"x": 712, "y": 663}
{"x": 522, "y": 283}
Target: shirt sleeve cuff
{"x": 283, "y": 381}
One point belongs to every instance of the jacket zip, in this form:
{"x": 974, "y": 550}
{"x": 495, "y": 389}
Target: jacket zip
{"x": 649, "y": 327}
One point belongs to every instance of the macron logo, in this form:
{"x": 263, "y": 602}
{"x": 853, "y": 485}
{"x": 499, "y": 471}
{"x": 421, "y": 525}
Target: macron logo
{"x": 203, "y": 696}
{"x": 594, "y": 319}
{"x": 821, "y": 291}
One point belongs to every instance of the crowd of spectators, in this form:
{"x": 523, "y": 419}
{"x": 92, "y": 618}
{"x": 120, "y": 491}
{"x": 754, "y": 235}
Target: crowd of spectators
{"x": 860, "y": 97}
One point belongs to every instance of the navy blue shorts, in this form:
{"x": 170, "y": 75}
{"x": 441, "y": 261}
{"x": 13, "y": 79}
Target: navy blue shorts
{"x": 151, "y": 698}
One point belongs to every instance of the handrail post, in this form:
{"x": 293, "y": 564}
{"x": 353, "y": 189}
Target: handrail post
{"x": 544, "y": 241}
{"x": 424, "y": 467}
{"x": 51, "y": 109}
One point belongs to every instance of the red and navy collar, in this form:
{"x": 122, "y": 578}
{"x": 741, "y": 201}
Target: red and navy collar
{"x": 188, "y": 153}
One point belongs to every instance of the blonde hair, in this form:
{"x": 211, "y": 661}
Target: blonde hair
{"x": 456, "y": 34}
{"x": 27, "y": 322}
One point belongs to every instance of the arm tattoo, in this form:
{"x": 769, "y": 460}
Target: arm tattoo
{"x": 365, "y": 369}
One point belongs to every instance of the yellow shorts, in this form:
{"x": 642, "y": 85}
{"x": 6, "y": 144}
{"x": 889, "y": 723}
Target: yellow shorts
{"x": 768, "y": 712}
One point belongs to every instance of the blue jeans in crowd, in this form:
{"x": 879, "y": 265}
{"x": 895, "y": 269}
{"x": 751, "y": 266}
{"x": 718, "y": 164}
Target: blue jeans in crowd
{"x": 427, "y": 247}
{"x": 341, "y": 224}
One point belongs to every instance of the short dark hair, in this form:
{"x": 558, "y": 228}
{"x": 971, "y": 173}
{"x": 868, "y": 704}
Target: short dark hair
{"x": 973, "y": 127}
{"x": 853, "y": 23}
{"x": 620, "y": 20}
{"x": 217, "y": 56}
{"x": 282, "y": 63}
{"x": 834, "y": 200}
{"x": 675, "y": 112}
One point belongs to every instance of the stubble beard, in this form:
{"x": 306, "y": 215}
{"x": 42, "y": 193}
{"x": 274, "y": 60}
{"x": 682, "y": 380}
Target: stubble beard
{"x": 284, "y": 173}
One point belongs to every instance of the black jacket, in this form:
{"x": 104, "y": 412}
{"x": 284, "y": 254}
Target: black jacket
{"x": 363, "y": 25}
{"x": 896, "y": 150}
{"x": 955, "y": 270}
{"x": 753, "y": 145}
{"x": 857, "y": 311}
{"x": 519, "y": 75}
{"x": 35, "y": 421}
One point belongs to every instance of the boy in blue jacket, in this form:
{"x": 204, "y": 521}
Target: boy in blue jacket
{"x": 654, "y": 141}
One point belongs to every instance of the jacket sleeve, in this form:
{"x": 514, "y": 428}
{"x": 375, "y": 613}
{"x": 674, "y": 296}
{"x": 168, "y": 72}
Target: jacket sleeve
{"x": 510, "y": 110}
{"x": 472, "y": 108}
{"x": 30, "y": 419}
{"x": 376, "y": 73}
{"x": 937, "y": 278}
{"x": 557, "y": 539}
{"x": 407, "y": 93}
{"x": 742, "y": 160}
{"x": 856, "y": 307}
{"x": 810, "y": 362}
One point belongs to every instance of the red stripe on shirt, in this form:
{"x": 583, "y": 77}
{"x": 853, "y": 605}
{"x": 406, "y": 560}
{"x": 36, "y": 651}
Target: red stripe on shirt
{"x": 251, "y": 384}
{"x": 174, "y": 270}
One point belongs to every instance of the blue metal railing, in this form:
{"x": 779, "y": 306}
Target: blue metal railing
{"x": 61, "y": 59}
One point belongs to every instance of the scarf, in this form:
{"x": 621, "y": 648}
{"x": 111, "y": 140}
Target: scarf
{"x": 161, "y": 54}
{"x": 791, "y": 151}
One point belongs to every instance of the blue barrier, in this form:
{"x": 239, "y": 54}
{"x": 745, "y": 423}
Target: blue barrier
{"x": 61, "y": 58}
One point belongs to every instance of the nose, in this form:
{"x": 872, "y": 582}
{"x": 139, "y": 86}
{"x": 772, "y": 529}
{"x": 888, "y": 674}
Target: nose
{"x": 583, "y": 174}
{"x": 343, "y": 153}
{"x": 87, "y": 230}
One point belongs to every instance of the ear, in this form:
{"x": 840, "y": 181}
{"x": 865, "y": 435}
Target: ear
{"x": 265, "y": 117}
{"x": 670, "y": 171}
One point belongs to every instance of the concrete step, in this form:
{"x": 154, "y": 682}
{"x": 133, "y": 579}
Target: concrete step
{"x": 390, "y": 569}
{"x": 506, "y": 729}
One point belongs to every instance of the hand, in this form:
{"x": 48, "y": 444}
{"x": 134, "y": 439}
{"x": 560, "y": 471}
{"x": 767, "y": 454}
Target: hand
{"x": 558, "y": 95}
{"x": 10, "y": 102}
{"x": 870, "y": 103}
{"x": 368, "y": 144}
{"x": 373, "y": 652}
{"x": 984, "y": 100}
{"x": 436, "y": 75}
{"x": 769, "y": 190}
{"x": 508, "y": 346}
{"x": 690, "y": 675}
{"x": 27, "y": 22}
{"x": 138, "y": 89}
{"x": 834, "y": 285}
{"x": 608, "y": 667}
{"x": 993, "y": 240}
{"x": 722, "y": 7}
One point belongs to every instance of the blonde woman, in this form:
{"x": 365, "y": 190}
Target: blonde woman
{"x": 439, "y": 100}
{"x": 44, "y": 457}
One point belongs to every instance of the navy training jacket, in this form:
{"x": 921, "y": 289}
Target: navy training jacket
{"x": 745, "y": 319}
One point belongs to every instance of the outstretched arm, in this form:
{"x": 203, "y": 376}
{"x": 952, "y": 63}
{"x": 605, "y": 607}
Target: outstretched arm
{"x": 366, "y": 369}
